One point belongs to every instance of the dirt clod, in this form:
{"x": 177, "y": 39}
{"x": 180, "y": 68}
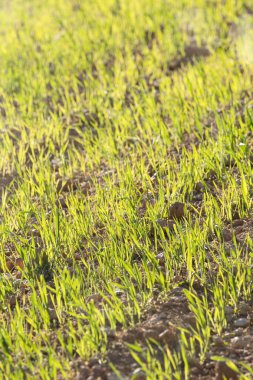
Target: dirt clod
{"x": 242, "y": 322}
{"x": 227, "y": 234}
{"x": 177, "y": 210}
{"x": 238, "y": 222}
{"x": 19, "y": 263}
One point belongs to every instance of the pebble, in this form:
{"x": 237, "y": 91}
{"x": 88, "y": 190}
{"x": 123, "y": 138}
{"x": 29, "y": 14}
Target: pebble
{"x": 241, "y": 341}
{"x": 237, "y": 342}
{"x": 242, "y": 322}
{"x": 239, "y": 331}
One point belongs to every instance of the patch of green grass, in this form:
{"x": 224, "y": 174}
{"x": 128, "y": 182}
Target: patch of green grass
{"x": 105, "y": 123}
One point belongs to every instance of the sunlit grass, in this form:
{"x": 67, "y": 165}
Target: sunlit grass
{"x": 94, "y": 128}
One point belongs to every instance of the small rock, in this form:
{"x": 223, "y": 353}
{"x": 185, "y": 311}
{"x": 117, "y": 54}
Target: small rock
{"x": 241, "y": 342}
{"x": 223, "y": 371}
{"x": 237, "y": 342}
{"x": 239, "y": 331}
{"x": 177, "y": 210}
{"x": 242, "y": 322}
